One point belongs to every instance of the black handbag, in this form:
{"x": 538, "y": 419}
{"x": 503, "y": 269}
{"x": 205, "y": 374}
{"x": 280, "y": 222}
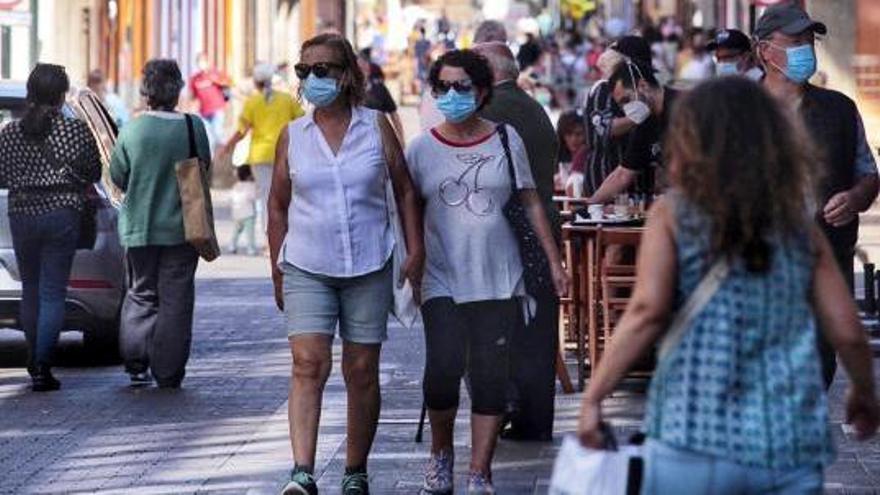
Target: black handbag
{"x": 88, "y": 224}
{"x": 537, "y": 275}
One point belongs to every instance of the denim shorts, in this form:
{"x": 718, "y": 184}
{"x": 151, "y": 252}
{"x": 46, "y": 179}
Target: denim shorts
{"x": 315, "y": 304}
{"x": 670, "y": 469}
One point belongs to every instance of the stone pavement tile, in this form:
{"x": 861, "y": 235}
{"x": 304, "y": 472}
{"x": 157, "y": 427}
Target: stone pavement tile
{"x": 99, "y": 436}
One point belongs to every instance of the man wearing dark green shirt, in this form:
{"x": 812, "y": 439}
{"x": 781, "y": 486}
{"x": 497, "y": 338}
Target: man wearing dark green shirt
{"x": 533, "y": 349}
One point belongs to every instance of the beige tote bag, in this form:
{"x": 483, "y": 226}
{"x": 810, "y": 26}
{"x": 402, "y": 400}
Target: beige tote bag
{"x": 195, "y": 201}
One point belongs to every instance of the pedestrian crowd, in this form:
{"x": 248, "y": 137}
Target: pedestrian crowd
{"x": 754, "y": 177}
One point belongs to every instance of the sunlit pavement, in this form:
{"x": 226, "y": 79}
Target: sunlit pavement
{"x": 225, "y": 431}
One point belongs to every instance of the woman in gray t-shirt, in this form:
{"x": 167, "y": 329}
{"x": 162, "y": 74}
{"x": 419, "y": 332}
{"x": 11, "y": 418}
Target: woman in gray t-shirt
{"x": 473, "y": 275}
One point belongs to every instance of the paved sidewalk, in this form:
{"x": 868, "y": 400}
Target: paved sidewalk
{"x": 97, "y": 435}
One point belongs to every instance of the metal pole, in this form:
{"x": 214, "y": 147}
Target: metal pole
{"x": 870, "y": 305}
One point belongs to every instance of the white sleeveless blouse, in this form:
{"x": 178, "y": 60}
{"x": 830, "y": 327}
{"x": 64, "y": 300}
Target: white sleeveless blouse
{"x": 338, "y": 222}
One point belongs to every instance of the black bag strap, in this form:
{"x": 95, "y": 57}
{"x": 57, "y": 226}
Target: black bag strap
{"x": 193, "y": 153}
{"x": 505, "y": 143}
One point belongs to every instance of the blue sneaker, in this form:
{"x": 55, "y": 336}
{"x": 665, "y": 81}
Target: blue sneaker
{"x": 301, "y": 483}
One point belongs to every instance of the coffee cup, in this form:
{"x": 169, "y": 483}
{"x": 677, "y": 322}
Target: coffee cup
{"x": 596, "y": 212}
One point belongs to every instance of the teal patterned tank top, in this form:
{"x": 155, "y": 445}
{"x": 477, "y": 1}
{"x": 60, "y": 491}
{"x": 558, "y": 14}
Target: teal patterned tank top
{"x": 745, "y": 383}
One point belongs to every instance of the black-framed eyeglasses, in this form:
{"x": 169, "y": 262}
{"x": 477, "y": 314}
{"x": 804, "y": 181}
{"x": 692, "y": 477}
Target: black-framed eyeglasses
{"x": 443, "y": 87}
{"x": 320, "y": 69}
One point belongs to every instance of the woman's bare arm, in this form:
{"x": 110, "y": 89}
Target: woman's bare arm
{"x": 650, "y": 307}
{"x": 408, "y": 205}
{"x": 839, "y": 321}
{"x": 279, "y": 201}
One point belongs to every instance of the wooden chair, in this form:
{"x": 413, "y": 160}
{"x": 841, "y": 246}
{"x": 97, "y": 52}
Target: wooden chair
{"x": 617, "y": 251}
{"x": 566, "y": 309}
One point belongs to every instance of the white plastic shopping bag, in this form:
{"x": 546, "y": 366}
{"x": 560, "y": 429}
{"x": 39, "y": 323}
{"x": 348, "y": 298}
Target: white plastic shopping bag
{"x": 405, "y": 308}
{"x": 579, "y": 470}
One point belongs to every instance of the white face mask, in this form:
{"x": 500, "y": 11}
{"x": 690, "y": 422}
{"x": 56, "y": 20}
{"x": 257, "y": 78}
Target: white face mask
{"x": 637, "y": 111}
{"x": 755, "y": 74}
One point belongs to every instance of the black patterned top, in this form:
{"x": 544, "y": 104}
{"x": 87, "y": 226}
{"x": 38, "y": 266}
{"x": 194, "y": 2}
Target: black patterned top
{"x": 44, "y": 176}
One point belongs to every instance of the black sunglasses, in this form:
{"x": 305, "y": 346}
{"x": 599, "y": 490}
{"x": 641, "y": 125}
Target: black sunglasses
{"x": 443, "y": 87}
{"x": 320, "y": 69}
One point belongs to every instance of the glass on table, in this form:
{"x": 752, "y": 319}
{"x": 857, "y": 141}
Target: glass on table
{"x": 621, "y": 205}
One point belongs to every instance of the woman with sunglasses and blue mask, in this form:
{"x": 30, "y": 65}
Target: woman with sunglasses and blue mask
{"x": 331, "y": 244}
{"x": 473, "y": 280}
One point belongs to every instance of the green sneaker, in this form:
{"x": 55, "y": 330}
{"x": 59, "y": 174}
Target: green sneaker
{"x": 355, "y": 484}
{"x": 301, "y": 483}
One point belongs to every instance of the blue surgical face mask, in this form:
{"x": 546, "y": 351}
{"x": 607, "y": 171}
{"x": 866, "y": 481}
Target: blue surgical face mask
{"x": 800, "y": 63}
{"x": 320, "y": 91}
{"x": 457, "y": 107}
{"x": 726, "y": 69}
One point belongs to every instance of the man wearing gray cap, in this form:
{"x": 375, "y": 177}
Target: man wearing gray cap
{"x": 785, "y": 37}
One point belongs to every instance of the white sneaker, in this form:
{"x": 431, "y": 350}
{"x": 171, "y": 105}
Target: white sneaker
{"x": 479, "y": 484}
{"x": 438, "y": 474}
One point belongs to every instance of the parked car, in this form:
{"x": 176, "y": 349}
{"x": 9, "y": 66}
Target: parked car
{"x": 97, "y": 280}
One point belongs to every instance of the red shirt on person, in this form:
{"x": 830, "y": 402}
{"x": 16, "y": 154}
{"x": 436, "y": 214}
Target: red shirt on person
{"x": 207, "y": 87}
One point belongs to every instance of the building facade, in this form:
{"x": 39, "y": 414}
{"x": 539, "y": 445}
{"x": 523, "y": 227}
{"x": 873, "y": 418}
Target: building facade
{"x": 119, "y": 36}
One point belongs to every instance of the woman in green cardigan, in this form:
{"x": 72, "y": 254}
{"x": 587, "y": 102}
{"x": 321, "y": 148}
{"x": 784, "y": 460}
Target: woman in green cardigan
{"x": 157, "y": 313}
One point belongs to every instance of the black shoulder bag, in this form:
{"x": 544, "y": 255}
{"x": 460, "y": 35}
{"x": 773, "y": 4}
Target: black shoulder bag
{"x": 88, "y": 225}
{"x": 536, "y": 268}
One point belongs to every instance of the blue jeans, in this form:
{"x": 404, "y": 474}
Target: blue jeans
{"x": 44, "y": 248}
{"x": 215, "y": 123}
{"x": 672, "y": 470}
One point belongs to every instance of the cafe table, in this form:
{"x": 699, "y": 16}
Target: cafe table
{"x": 582, "y": 241}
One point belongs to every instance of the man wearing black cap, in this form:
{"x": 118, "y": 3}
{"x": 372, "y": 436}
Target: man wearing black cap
{"x": 733, "y": 55}
{"x": 605, "y": 121}
{"x": 785, "y": 37}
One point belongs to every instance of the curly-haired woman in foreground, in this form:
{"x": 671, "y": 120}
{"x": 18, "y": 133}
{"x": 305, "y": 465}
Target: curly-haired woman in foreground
{"x": 738, "y": 405}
